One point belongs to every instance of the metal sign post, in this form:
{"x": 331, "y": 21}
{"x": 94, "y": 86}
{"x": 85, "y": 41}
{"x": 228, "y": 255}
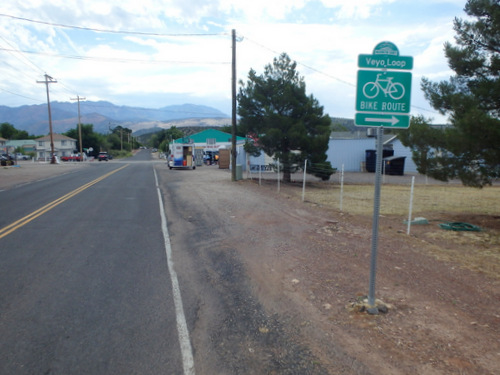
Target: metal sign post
{"x": 383, "y": 96}
{"x": 376, "y": 215}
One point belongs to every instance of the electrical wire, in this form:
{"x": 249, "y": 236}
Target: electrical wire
{"x": 22, "y": 96}
{"x": 16, "y": 51}
{"x": 121, "y": 60}
{"x": 300, "y": 63}
{"x": 112, "y": 31}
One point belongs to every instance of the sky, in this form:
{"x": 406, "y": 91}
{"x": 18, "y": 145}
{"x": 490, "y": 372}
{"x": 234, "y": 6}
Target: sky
{"x": 155, "y": 53}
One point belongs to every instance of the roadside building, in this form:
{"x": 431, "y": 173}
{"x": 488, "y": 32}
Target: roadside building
{"x": 26, "y": 145}
{"x": 3, "y": 142}
{"x": 208, "y": 143}
{"x": 351, "y": 149}
{"x": 63, "y": 146}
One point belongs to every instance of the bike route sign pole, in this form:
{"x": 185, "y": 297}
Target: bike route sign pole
{"x": 382, "y": 100}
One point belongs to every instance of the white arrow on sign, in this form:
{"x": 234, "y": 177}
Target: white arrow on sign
{"x": 392, "y": 120}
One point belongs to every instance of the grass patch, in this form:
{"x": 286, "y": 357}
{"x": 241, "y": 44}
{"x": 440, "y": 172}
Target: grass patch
{"x": 477, "y": 251}
{"x": 395, "y": 199}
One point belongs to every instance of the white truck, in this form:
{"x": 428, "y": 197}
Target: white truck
{"x": 182, "y": 156}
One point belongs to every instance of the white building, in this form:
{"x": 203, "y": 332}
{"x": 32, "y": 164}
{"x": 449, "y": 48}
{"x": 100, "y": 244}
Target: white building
{"x": 63, "y": 146}
{"x": 349, "y": 149}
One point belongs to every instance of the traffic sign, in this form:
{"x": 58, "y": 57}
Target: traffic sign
{"x": 385, "y": 120}
{"x": 384, "y": 88}
{"x": 385, "y": 62}
{"x": 383, "y": 92}
{"x": 385, "y": 56}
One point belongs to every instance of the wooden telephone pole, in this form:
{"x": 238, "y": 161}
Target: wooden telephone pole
{"x": 233, "y": 92}
{"x": 49, "y": 79}
{"x": 79, "y": 126}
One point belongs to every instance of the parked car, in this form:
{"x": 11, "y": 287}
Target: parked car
{"x": 70, "y": 158}
{"x": 20, "y": 156}
{"x": 6, "y": 157}
{"x": 103, "y": 156}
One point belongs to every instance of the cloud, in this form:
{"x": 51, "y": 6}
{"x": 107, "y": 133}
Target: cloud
{"x": 323, "y": 36}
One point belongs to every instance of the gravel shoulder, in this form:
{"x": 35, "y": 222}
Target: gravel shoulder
{"x": 308, "y": 265}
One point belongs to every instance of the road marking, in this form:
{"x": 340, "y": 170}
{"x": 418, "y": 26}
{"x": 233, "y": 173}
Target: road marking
{"x": 32, "y": 216}
{"x": 182, "y": 331}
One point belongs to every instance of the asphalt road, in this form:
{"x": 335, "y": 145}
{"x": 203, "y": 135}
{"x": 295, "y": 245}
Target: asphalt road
{"x": 84, "y": 280}
{"x": 127, "y": 267}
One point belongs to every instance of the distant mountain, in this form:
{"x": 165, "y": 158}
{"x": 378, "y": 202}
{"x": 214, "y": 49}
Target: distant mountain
{"x": 34, "y": 118}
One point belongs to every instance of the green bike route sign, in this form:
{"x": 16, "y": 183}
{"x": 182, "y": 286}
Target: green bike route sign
{"x": 383, "y": 92}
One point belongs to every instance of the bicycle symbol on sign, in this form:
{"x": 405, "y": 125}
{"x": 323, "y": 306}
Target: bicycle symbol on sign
{"x": 395, "y": 90}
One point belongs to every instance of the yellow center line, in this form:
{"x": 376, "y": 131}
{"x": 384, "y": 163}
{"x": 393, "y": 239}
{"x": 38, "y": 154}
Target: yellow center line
{"x": 32, "y": 216}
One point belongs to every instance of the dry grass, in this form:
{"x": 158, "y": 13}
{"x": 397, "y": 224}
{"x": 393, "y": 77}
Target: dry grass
{"x": 395, "y": 199}
{"x": 477, "y": 251}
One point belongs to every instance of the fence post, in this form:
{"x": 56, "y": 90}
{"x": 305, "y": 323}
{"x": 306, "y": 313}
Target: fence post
{"x": 278, "y": 175}
{"x": 411, "y": 204}
{"x": 341, "y": 186}
{"x": 304, "y": 181}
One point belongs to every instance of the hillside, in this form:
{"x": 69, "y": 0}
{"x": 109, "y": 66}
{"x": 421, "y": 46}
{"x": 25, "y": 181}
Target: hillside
{"x": 103, "y": 115}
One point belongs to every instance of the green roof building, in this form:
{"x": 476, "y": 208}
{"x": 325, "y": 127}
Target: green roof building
{"x": 210, "y": 138}
{"x": 28, "y": 145}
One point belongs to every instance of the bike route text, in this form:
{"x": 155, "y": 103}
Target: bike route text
{"x": 382, "y": 106}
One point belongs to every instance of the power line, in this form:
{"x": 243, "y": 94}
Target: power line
{"x": 112, "y": 31}
{"x": 121, "y": 60}
{"x": 304, "y": 65}
{"x": 326, "y": 74}
{"x": 15, "y": 50}
{"x": 22, "y": 96}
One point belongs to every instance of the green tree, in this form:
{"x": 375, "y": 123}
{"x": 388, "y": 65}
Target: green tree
{"x": 120, "y": 138}
{"x": 470, "y": 147}
{"x": 22, "y": 134}
{"x": 7, "y": 131}
{"x": 90, "y": 139}
{"x": 162, "y": 139}
{"x": 420, "y": 136}
{"x": 290, "y": 125}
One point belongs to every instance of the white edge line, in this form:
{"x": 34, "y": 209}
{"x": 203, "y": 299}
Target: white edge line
{"x": 182, "y": 331}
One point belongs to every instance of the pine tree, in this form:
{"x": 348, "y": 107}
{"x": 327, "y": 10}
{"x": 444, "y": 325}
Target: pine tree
{"x": 289, "y": 124}
{"x": 470, "y": 147}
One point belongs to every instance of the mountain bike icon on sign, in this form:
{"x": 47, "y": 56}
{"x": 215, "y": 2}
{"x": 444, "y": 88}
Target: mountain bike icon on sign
{"x": 393, "y": 89}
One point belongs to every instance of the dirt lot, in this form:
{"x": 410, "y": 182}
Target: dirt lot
{"x": 309, "y": 261}
{"x": 442, "y": 287}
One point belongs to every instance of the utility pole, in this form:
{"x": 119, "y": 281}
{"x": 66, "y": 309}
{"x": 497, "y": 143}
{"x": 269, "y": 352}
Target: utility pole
{"x": 233, "y": 97}
{"x": 79, "y": 126}
{"x": 49, "y": 79}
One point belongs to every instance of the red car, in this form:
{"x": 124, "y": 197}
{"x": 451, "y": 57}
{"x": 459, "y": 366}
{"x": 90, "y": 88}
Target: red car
{"x": 103, "y": 156}
{"x": 70, "y": 158}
